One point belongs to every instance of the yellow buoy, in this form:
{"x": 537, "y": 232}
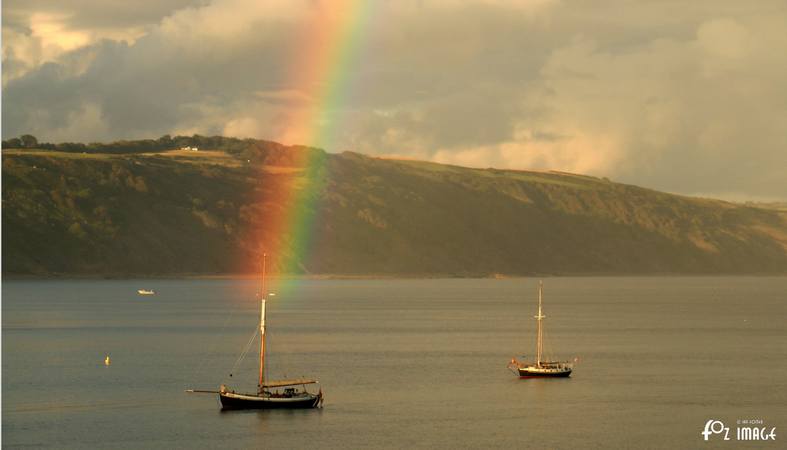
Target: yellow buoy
{"x": 106, "y": 361}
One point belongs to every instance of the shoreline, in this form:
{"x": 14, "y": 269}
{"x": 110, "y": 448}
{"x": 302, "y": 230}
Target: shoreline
{"x": 252, "y": 276}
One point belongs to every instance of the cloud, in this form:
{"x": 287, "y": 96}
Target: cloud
{"x": 36, "y": 32}
{"x": 242, "y": 127}
{"x": 691, "y": 103}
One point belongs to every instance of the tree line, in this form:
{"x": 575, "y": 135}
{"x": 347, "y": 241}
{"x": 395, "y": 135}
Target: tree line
{"x": 165, "y": 142}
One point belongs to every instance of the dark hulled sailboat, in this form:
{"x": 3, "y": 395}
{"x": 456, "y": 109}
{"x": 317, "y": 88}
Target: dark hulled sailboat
{"x": 269, "y": 393}
{"x": 540, "y": 368}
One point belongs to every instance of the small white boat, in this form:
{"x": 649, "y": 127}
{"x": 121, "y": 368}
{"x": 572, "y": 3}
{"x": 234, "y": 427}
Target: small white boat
{"x": 146, "y": 292}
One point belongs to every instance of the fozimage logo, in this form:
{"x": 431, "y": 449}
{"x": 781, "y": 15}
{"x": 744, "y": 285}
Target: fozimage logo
{"x": 745, "y": 430}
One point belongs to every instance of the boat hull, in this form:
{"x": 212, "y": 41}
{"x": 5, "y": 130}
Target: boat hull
{"x": 232, "y": 401}
{"x": 544, "y": 370}
{"x": 524, "y": 373}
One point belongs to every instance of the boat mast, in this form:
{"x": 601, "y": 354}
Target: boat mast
{"x": 262, "y": 327}
{"x": 539, "y": 317}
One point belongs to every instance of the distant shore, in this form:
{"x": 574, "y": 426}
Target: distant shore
{"x": 132, "y": 209}
{"x": 250, "y": 276}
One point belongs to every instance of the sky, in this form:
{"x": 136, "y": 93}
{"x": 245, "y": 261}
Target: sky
{"x": 685, "y": 97}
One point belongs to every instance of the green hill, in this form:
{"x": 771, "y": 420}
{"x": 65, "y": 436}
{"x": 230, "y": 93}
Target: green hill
{"x": 127, "y": 209}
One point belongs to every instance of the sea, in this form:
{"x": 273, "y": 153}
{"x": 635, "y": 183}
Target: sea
{"x": 406, "y": 363}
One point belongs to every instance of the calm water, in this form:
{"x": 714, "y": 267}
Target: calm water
{"x": 410, "y": 363}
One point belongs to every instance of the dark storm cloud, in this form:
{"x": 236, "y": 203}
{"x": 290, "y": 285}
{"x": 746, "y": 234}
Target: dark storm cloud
{"x": 690, "y": 102}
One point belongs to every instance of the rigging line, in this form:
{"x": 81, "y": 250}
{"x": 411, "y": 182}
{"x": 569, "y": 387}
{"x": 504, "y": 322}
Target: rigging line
{"x": 552, "y": 356}
{"x": 268, "y": 339}
{"x": 245, "y": 351}
{"x": 212, "y": 348}
{"x": 267, "y": 377}
{"x": 547, "y": 348}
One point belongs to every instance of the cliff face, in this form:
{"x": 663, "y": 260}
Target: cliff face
{"x": 210, "y": 211}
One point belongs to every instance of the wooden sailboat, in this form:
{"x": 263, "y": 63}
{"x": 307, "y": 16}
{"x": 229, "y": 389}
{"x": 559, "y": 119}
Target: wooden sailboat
{"x": 270, "y": 394}
{"x": 540, "y": 368}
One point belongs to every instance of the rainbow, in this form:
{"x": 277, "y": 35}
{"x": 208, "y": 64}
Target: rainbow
{"x": 326, "y": 48}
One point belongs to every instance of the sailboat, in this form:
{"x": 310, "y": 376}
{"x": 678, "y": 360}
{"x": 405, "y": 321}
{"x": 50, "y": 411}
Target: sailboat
{"x": 271, "y": 394}
{"x": 541, "y": 368}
